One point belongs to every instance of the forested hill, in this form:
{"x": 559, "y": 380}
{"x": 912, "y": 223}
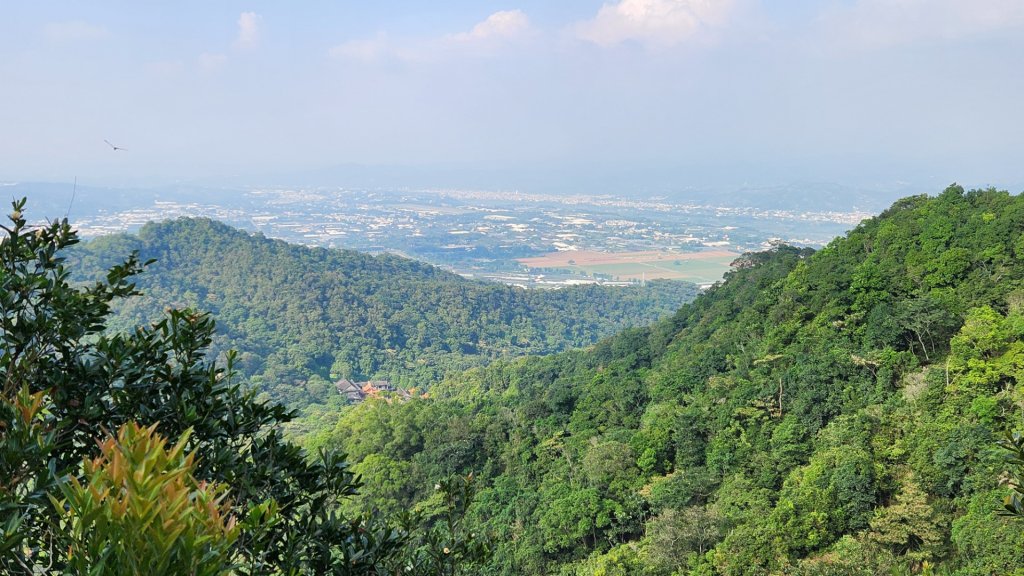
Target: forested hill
{"x": 299, "y": 315}
{"x": 826, "y": 413}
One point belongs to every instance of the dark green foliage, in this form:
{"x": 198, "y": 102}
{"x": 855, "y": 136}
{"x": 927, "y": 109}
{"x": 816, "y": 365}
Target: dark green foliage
{"x": 294, "y": 312}
{"x": 989, "y": 543}
{"x": 67, "y": 384}
{"x": 833, "y": 412}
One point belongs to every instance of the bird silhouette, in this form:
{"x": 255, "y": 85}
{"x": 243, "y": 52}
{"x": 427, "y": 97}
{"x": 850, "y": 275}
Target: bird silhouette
{"x": 116, "y": 148}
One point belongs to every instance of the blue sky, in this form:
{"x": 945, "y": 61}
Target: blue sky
{"x": 657, "y": 93}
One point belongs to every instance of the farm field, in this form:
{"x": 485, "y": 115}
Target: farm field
{"x": 704, "y": 267}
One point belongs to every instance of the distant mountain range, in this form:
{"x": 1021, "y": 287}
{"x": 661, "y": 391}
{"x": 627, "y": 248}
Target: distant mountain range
{"x": 55, "y": 198}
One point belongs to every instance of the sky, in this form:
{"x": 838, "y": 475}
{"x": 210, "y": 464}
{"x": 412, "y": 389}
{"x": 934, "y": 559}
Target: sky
{"x": 644, "y": 94}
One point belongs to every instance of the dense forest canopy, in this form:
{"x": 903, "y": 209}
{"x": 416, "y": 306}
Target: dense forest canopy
{"x": 816, "y": 413}
{"x": 300, "y": 317}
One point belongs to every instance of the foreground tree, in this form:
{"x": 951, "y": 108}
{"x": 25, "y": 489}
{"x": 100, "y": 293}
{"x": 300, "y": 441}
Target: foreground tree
{"x": 67, "y": 383}
{"x": 138, "y": 510}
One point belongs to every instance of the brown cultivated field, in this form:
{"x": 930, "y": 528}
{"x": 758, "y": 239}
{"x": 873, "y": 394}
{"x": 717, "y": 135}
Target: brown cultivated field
{"x": 699, "y": 267}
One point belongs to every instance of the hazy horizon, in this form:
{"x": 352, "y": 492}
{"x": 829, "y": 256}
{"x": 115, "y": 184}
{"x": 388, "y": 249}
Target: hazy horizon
{"x": 629, "y": 96}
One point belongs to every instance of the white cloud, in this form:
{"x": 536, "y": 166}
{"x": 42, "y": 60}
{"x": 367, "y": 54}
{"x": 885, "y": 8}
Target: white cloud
{"x": 247, "y": 39}
{"x": 496, "y": 29}
{"x": 869, "y": 24}
{"x": 658, "y": 23}
{"x": 210, "y": 61}
{"x": 248, "y": 30}
{"x": 506, "y": 24}
{"x": 73, "y": 31}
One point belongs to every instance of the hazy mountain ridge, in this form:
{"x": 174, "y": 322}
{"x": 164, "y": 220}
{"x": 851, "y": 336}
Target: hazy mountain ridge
{"x": 89, "y": 199}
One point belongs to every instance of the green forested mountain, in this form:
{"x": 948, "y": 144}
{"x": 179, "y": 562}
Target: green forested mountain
{"x": 817, "y": 413}
{"x": 132, "y": 452}
{"x": 298, "y": 315}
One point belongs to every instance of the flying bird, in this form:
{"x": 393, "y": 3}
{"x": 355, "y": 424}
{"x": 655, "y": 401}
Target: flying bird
{"x": 116, "y": 148}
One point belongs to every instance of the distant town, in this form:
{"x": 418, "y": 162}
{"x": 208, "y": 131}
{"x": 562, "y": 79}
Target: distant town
{"x": 523, "y": 239}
